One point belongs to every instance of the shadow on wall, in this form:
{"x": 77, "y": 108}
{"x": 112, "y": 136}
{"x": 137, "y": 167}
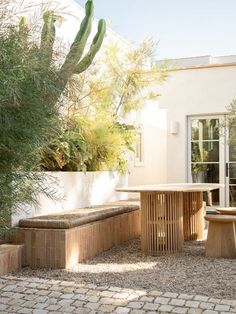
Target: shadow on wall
{"x": 78, "y": 190}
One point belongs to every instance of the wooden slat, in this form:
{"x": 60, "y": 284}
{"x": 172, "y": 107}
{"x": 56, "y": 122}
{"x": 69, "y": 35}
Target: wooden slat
{"x": 221, "y": 239}
{"x": 193, "y": 217}
{"x": 11, "y": 257}
{"x": 161, "y": 222}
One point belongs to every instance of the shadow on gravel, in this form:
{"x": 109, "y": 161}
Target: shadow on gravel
{"x": 127, "y": 267}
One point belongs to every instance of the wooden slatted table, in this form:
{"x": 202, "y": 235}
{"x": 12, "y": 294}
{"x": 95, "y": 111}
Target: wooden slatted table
{"x": 170, "y": 214}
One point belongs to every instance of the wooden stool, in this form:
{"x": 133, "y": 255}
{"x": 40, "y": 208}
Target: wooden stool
{"x": 221, "y": 238}
{"x": 226, "y": 210}
{"x": 161, "y": 222}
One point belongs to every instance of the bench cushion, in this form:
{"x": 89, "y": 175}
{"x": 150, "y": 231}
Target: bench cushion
{"x": 82, "y": 216}
{"x": 221, "y": 218}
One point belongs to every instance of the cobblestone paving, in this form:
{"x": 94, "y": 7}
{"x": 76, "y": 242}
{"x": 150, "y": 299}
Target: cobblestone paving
{"x": 39, "y": 296}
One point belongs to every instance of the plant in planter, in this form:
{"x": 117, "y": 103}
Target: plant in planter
{"x": 90, "y": 144}
{"x": 31, "y": 86}
{"x": 95, "y": 135}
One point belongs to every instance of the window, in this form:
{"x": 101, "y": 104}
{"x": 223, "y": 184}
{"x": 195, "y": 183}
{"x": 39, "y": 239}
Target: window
{"x": 205, "y": 152}
{"x": 139, "y": 151}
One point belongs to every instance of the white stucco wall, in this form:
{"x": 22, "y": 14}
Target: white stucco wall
{"x": 153, "y": 168}
{"x": 76, "y": 190}
{"x": 203, "y": 91}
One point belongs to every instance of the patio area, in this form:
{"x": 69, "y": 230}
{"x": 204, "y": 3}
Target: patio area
{"x": 123, "y": 280}
{"x": 117, "y": 169}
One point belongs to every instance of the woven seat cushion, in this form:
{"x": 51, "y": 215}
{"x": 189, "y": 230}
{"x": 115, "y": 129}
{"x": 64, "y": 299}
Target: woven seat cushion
{"x": 75, "y": 218}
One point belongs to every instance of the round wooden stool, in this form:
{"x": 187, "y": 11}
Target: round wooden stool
{"x": 221, "y": 238}
{"x": 161, "y": 222}
{"x": 226, "y": 210}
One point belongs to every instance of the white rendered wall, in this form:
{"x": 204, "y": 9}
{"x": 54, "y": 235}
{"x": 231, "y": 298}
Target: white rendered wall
{"x": 153, "y": 168}
{"x": 192, "y": 92}
{"x": 77, "y": 190}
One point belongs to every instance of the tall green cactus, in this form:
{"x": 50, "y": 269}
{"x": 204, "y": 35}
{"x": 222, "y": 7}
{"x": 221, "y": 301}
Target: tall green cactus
{"x": 48, "y": 37}
{"x": 74, "y": 62}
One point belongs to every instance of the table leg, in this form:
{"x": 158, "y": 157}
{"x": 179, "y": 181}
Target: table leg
{"x": 193, "y": 216}
{"x": 161, "y": 222}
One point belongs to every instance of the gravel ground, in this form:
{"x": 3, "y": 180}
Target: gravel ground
{"x": 126, "y": 267}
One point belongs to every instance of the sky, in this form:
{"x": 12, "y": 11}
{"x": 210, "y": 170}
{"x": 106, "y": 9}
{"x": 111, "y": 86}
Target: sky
{"x": 182, "y": 28}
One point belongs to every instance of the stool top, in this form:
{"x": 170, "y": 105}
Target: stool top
{"x": 226, "y": 210}
{"x": 220, "y": 218}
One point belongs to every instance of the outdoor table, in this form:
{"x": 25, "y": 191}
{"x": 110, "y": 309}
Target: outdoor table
{"x": 170, "y": 214}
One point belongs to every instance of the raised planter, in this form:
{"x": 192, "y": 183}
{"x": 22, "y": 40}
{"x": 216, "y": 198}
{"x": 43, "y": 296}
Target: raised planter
{"x": 77, "y": 190}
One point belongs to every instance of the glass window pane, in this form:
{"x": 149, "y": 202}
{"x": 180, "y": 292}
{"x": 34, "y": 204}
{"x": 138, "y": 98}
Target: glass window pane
{"x": 232, "y": 173}
{"x": 232, "y": 152}
{"x": 232, "y": 195}
{"x": 139, "y": 150}
{"x": 205, "y": 173}
{"x": 205, "y": 151}
{"x": 205, "y": 129}
{"x": 232, "y": 143}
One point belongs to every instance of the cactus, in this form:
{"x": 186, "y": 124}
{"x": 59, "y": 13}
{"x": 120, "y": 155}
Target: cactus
{"x": 48, "y": 37}
{"x": 73, "y": 63}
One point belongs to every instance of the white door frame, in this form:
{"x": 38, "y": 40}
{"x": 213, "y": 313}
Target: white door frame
{"x": 222, "y": 155}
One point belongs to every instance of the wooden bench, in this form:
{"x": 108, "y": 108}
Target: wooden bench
{"x": 62, "y": 240}
{"x": 10, "y": 258}
{"x": 221, "y": 238}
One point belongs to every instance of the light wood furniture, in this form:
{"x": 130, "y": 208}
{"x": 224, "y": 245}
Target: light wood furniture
{"x": 64, "y": 240}
{"x": 221, "y": 238}
{"x": 193, "y": 215}
{"x": 161, "y": 222}
{"x": 226, "y": 210}
{"x": 170, "y": 213}
{"x": 11, "y": 257}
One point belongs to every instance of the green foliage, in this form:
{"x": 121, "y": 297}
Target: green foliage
{"x": 27, "y": 115}
{"x": 31, "y": 86}
{"x": 90, "y": 144}
{"x": 93, "y": 138}
{"x": 231, "y": 125}
{"x": 121, "y": 82}
{"x": 73, "y": 63}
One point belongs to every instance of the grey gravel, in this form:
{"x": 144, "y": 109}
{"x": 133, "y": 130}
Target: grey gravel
{"x": 126, "y": 266}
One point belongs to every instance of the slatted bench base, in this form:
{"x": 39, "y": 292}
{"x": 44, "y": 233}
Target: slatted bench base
{"x": 64, "y": 248}
{"x": 10, "y": 258}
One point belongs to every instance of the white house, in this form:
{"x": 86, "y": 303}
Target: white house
{"x": 194, "y": 146}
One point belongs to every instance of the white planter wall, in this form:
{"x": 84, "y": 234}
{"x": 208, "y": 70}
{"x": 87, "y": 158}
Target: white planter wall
{"x": 78, "y": 190}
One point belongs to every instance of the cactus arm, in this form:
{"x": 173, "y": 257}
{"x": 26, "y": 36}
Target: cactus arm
{"x": 48, "y": 37}
{"x": 96, "y": 45}
{"x": 77, "y": 48}
{"x": 23, "y": 29}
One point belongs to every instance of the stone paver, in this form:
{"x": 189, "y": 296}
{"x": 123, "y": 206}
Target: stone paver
{"x": 39, "y": 296}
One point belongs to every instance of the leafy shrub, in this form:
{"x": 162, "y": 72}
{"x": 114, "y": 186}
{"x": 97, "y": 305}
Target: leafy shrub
{"x": 90, "y": 144}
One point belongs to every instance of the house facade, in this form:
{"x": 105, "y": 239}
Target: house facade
{"x": 196, "y": 146}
